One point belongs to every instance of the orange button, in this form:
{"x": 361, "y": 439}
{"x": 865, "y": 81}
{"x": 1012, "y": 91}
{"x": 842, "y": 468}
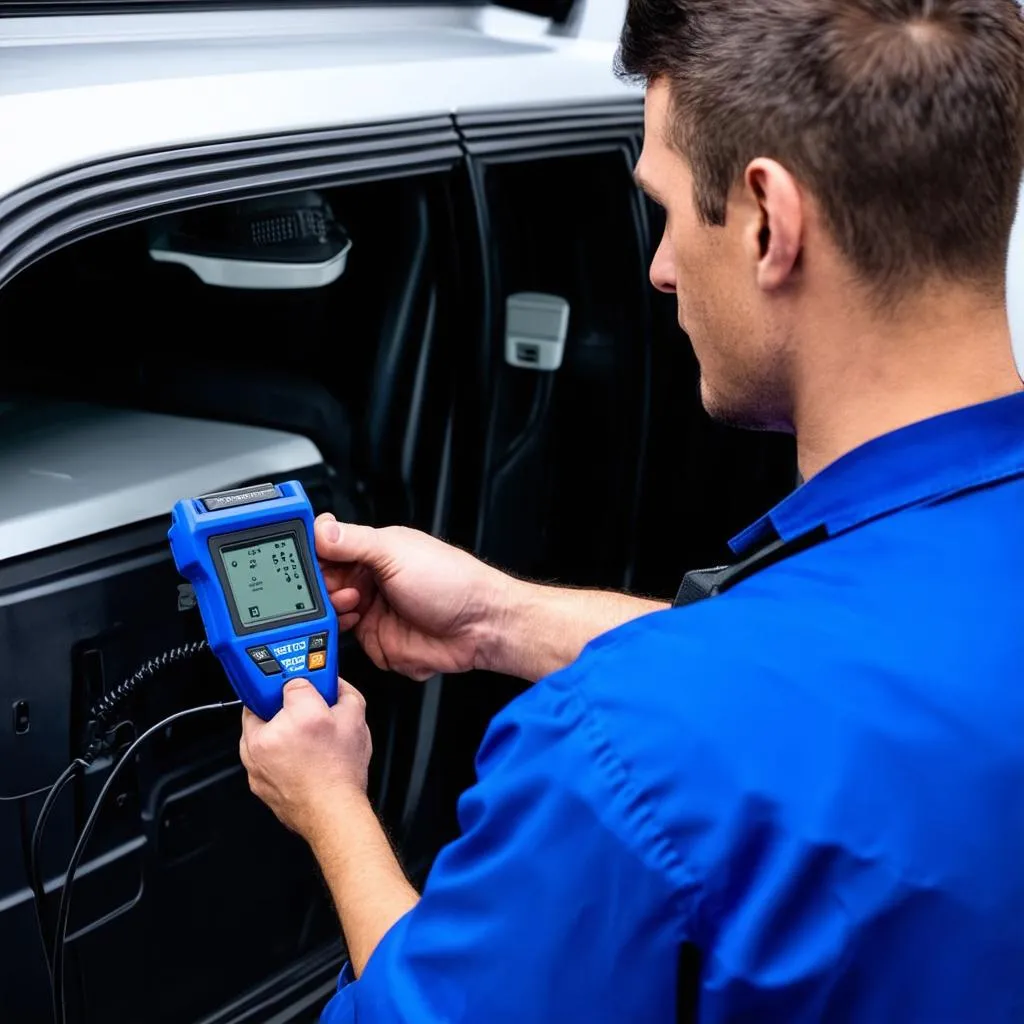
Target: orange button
{"x": 316, "y": 660}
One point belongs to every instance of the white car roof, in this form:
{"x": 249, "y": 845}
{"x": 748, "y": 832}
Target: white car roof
{"x": 77, "y": 89}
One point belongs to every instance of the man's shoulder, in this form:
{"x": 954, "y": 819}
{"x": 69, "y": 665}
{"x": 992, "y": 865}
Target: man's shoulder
{"x": 905, "y": 595}
{"x": 766, "y": 630}
{"x": 781, "y": 692}
{"x": 743, "y": 697}
{"x": 686, "y": 675}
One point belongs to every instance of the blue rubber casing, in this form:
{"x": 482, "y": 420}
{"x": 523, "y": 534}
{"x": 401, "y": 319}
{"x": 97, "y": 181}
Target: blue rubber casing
{"x": 254, "y": 527}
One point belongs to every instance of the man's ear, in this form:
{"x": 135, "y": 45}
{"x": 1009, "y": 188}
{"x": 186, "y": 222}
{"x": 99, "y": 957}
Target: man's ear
{"x": 775, "y": 236}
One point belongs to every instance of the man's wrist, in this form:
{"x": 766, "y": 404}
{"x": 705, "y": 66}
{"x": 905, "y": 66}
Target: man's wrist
{"x": 367, "y": 883}
{"x": 510, "y": 605}
{"x": 532, "y": 629}
{"x": 327, "y": 810}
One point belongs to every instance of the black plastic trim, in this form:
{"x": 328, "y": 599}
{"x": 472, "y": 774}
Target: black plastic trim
{"x": 54, "y": 212}
{"x": 413, "y": 307}
{"x": 289, "y": 995}
{"x": 519, "y": 135}
{"x": 557, "y": 10}
{"x": 557, "y": 129}
{"x": 475, "y": 406}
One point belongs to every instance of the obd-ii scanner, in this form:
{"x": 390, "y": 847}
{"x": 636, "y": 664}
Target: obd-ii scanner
{"x": 249, "y": 556}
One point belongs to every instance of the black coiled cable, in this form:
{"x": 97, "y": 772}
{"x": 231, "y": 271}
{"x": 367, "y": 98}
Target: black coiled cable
{"x": 64, "y": 909}
{"x": 102, "y": 710}
{"x": 35, "y": 856}
{"x": 99, "y": 716}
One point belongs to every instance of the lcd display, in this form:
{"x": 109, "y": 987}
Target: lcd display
{"x": 266, "y": 580}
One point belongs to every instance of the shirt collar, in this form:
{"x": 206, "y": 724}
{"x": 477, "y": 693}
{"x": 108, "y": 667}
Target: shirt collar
{"x": 924, "y": 461}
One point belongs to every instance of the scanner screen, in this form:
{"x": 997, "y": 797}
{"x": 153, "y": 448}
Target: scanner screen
{"x": 267, "y": 580}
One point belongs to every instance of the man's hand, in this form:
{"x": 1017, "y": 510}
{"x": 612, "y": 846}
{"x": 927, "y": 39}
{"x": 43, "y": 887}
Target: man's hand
{"x": 418, "y": 606}
{"x": 309, "y": 765}
{"x": 309, "y": 757}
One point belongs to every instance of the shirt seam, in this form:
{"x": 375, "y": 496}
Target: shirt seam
{"x": 660, "y": 856}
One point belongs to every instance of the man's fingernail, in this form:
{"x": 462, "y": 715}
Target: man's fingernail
{"x": 330, "y": 531}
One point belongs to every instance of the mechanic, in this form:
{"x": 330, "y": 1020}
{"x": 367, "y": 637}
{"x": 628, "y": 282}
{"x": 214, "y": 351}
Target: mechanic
{"x": 800, "y": 799}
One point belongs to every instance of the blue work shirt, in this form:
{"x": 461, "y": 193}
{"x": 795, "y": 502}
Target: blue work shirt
{"x": 815, "y": 778}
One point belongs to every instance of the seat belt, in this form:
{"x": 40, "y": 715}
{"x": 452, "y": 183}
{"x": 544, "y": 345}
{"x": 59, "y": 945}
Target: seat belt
{"x": 699, "y": 585}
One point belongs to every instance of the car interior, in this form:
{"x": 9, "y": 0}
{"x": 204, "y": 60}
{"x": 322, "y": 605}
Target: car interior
{"x": 429, "y": 272}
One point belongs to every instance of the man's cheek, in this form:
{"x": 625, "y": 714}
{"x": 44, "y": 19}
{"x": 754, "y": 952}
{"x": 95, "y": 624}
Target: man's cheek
{"x": 688, "y": 303}
{"x": 682, "y": 314}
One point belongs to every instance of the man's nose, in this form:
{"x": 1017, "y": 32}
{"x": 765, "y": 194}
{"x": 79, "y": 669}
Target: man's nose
{"x": 663, "y": 269}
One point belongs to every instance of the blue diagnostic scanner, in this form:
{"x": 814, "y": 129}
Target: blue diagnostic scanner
{"x": 248, "y": 553}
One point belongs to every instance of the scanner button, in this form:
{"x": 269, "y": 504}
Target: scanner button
{"x": 259, "y": 654}
{"x": 318, "y": 642}
{"x": 269, "y": 668}
{"x": 316, "y": 660}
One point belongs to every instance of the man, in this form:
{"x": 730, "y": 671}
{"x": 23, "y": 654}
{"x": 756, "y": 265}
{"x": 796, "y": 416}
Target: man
{"x": 800, "y": 800}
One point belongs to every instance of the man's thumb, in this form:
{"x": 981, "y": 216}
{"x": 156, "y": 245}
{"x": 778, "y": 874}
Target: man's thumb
{"x": 347, "y": 542}
{"x": 300, "y": 692}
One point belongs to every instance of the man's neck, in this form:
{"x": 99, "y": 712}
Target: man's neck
{"x": 867, "y": 376}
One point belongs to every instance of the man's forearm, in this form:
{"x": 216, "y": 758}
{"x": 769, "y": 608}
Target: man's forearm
{"x": 541, "y": 629}
{"x": 369, "y": 888}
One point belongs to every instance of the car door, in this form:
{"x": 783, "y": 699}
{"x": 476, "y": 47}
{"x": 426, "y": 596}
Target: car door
{"x": 143, "y": 149}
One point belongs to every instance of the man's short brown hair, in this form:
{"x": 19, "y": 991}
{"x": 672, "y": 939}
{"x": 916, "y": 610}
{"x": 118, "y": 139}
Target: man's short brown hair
{"x": 903, "y": 118}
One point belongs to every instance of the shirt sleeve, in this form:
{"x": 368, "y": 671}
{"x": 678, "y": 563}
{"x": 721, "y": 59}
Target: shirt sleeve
{"x": 552, "y": 904}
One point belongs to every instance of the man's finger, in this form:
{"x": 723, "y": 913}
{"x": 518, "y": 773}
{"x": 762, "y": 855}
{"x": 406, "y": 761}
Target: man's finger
{"x": 346, "y": 691}
{"x": 300, "y": 693}
{"x": 348, "y": 621}
{"x": 345, "y": 601}
{"x": 370, "y": 643}
{"x": 343, "y": 577}
{"x": 250, "y": 722}
{"x": 348, "y": 542}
